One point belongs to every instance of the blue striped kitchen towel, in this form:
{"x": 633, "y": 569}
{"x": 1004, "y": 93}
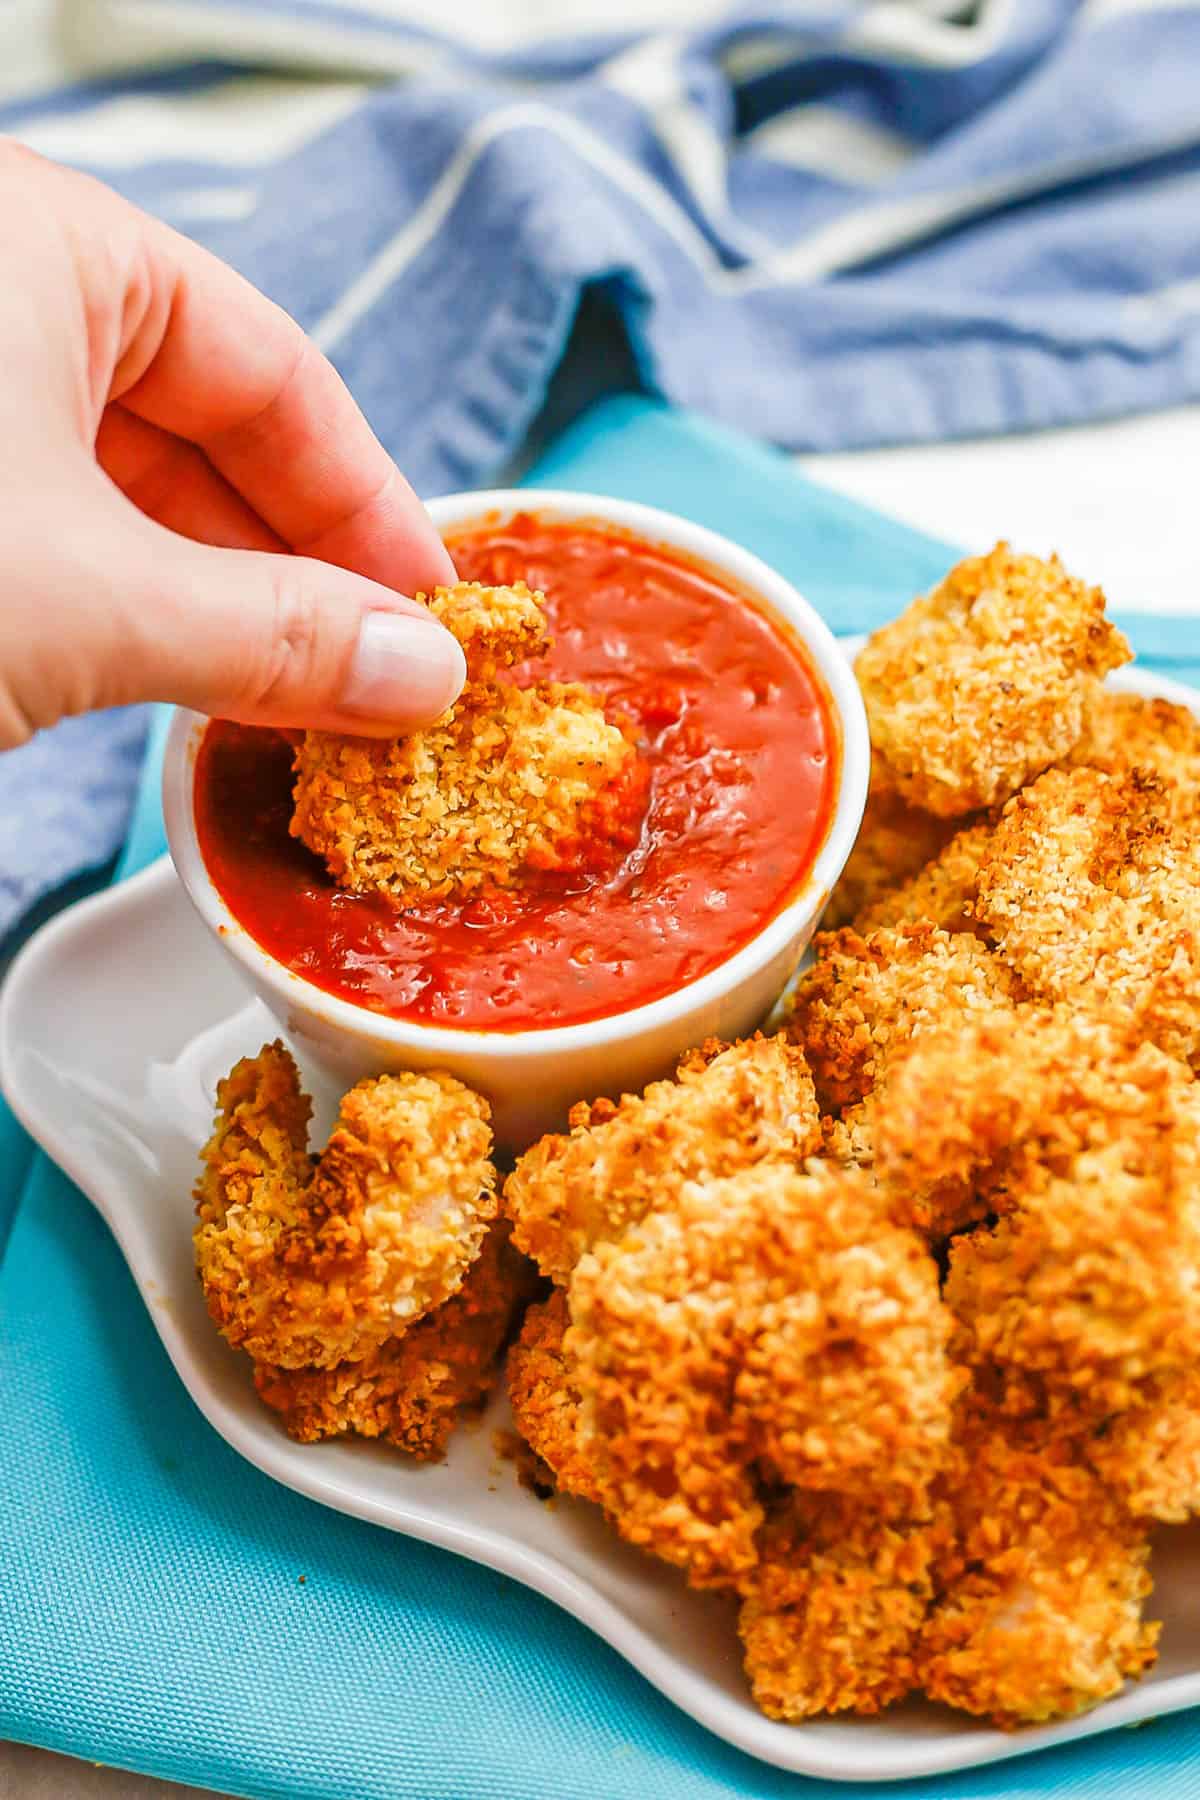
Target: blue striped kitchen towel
{"x": 831, "y": 223}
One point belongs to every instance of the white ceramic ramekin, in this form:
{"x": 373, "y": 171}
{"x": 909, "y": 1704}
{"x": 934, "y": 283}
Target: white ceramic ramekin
{"x": 532, "y": 1077}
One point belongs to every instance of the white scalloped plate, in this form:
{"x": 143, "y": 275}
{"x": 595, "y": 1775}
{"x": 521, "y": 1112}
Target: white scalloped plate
{"x": 115, "y": 1023}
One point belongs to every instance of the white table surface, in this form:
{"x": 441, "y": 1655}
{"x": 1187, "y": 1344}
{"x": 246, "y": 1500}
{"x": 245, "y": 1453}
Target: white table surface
{"x": 1115, "y": 500}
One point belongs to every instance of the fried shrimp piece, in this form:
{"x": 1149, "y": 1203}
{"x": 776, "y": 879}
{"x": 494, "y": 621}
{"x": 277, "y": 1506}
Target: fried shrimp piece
{"x": 1088, "y": 1145}
{"x": 894, "y": 841}
{"x": 1091, "y": 896}
{"x": 1125, "y": 731}
{"x": 833, "y": 1611}
{"x": 1149, "y": 1456}
{"x": 1043, "y": 1617}
{"x": 942, "y": 892}
{"x": 1092, "y": 1286}
{"x": 728, "y": 1107}
{"x": 845, "y": 1383}
{"x": 658, "y": 1332}
{"x": 508, "y": 780}
{"x": 307, "y": 1262}
{"x": 543, "y": 1388}
{"x": 771, "y": 1316}
{"x": 866, "y": 998}
{"x": 411, "y": 1389}
{"x": 981, "y": 684}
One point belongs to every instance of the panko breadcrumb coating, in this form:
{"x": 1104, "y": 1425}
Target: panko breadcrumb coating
{"x": 834, "y": 1608}
{"x": 1149, "y": 1455}
{"x": 728, "y": 1107}
{"x": 496, "y": 626}
{"x": 865, "y": 999}
{"x": 775, "y": 1317}
{"x": 981, "y": 684}
{"x": 1088, "y": 1145}
{"x": 318, "y": 1262}
{"x": 1093, "y": 897}
{"x": 894, "y": 841}
{"x": 1043, "y": 1617}
{"x": 942, "y": 892}
{"x": 544, "y": 1391}
{"x": 412, "y": 1389}
{"x": 844, "y": 1384}
{"x": 658, "y": 1331}
{"x": 849, "y": 1141}
{"x": 1126, "y": 731}
{"x": 508, "y": 780}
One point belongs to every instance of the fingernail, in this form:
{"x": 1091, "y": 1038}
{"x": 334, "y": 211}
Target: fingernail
{"x": 404, "y": 670}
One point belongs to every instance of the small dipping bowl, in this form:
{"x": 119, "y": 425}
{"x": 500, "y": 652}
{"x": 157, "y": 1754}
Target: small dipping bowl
{"x": 532, "y": 1077}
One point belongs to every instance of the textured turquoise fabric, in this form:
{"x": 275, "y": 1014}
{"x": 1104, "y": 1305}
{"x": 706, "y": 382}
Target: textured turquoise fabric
{"x": 152, "y": 1612}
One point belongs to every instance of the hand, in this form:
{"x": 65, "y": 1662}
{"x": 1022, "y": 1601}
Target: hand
{"x": 193, "y": 508}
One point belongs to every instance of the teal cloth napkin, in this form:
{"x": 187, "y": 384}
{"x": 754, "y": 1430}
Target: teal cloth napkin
{"x": 165, "y": 1607}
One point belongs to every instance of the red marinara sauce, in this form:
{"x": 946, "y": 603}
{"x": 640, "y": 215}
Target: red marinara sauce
{"x": 743, "y": 757}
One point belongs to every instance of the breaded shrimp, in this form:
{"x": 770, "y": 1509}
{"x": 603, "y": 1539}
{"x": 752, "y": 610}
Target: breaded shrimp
{"x": 658, "y": 1334}
{"x": 728, "y": 1107}
{"x": 1088, "y": 1144}
{"x": 941, "y": 893}
{"x": 981, "y": 684}
{"x": 833, "y": 1610}
{"x": 845, "y": 1383}
{"x": 1093, "y": 898}
{"x": 318, "y": 1263}
{"x": 1042, "y": 1618}
{"x": 411, "y": 1389}
{"x": 1149, "y": 1455}
{"x": 864, "y": 1000}
{"x": 1126, "y": 731}
{"x": 507, "y": 781}
{"x": 1091, "y": 1283}
{"x": 774, "y": 1316}
{"x": 543, "y": 1388}
{"x": 894, "y": 841}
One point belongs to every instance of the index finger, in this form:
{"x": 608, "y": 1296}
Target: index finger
{"x": 216, "y": 362}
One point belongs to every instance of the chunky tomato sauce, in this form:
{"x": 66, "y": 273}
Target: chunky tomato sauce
{"x": 742, "y": 758}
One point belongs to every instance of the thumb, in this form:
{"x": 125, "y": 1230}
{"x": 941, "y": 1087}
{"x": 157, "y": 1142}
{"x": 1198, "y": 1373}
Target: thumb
{"x": 102, "y": 606}
{"x": 277, "y": 640}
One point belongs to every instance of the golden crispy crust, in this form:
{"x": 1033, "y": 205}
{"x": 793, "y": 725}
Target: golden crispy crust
{"x": 728, "y": 1107}
{"x": 496, "y": 626}
{"x": 1127, "y": 731}
{"x": 1042, "y": 1617}
{"x": 657, "y": 1335}
{"x": 1149, "y": 1456}
{"x": 412, "y": 1389}
{"x": 1088, "y": 1145}
{"x": 772, "y": 1316}
{"x": 942, "y": 892}
{"x": 849, "y": 1141}
{"x": 543, "y": 1389}
{"x": 509, "y": 779}
{"x": 845, "y": 1383}
{"x": 833, "y": 1611}
{"x": 894, "y": 841}
{"x": 981, "y": 684}
{"x": 866, "y": 998}
{"x": 317, "y": 1263}
{"x": 1090, "y": 894}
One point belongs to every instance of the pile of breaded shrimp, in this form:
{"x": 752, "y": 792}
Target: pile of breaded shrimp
{"x": 887, "y": 1325}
